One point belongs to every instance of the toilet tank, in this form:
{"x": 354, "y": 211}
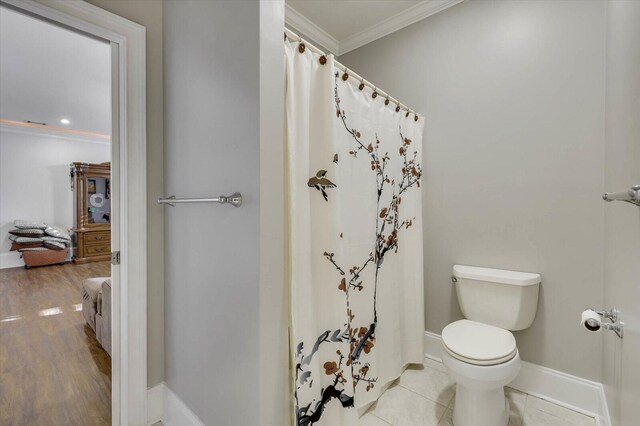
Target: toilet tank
{"x": 505, "y": 299}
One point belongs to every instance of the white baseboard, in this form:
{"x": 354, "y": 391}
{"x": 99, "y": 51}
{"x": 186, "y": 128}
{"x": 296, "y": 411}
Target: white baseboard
{"x": 164, "y": 405}
{"x": 575, "y": 393}
{"x": 176, "y": 412}
{"x": 155, "y": 403}
{"x": 605, "y": 418}
{"x": 11, "y": 260}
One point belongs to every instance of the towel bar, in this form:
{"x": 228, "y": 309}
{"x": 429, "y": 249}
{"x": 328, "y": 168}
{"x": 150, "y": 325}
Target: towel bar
{"x": 234, "y": 199}
{"x": 630, "y": 196}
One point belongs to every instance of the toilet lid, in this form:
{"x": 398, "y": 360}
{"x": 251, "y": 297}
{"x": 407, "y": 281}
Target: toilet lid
{"x": 477, "y": 343}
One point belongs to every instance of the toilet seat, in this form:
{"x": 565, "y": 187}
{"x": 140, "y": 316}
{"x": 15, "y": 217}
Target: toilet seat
{"x": 478, "y": 344}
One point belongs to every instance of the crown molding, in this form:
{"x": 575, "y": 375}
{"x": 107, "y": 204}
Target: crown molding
{"x": 53, "y": 132}
{"x": 420, "y": 11}
{"x": 396, "y": 22}
{"x": 301, "y": 23}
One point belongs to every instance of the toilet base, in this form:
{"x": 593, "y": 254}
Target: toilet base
{"x": 480, "y": 399}
{"x": 480, "y": 408}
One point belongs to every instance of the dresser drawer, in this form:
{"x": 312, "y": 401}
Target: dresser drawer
{"x": 95, "y": 250}
{"x": 102, "y": 237}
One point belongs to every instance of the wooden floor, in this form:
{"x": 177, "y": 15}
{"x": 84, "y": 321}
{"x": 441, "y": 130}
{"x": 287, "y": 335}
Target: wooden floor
{"x": 53, "y": 371}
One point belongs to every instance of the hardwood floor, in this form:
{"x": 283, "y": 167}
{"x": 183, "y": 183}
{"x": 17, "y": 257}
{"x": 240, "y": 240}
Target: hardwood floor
{"x": 53, "y": 371}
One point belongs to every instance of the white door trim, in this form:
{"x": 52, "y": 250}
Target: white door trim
{"x": 129, "y": 348}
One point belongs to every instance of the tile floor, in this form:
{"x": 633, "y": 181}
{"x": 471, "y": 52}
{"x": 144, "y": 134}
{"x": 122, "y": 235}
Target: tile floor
{"x": 425, "y": 397}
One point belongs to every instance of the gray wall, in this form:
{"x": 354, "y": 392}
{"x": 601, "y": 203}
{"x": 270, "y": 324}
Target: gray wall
{"x": 149, "y": 14}
{"x": 514, "y": 94}
{"x": 212, "y": 119}
{"x": 275, "y": 402}
{"x": 622, "y": 226}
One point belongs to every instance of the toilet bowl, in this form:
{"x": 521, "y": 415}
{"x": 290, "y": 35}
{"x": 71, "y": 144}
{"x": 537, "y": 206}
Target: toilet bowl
{"x": 481, "y": 359}
{"x": 480, "y": 352}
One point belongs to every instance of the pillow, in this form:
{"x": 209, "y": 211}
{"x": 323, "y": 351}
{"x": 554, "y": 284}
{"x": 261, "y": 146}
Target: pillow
{"x": 56, "y": 239}
{"x": 55, "y": 231}
{"x": 27, "y": 232}
{"x": 28, "y": 240}
{"x": 33, "y": 249}
{"x": 55, "y": 245}
{"x": 21, "y": 224}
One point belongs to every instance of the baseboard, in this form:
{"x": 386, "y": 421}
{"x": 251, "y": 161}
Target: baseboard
{"x": 176, "y": 412}
{"x": 575, "y": 393}
{"x": 155, "y": 403}
{"x": 164, "y": 405}
{"x": 605, "y": 418}
{"x": 432, "y": 345}
{"x": 11, "y": 260}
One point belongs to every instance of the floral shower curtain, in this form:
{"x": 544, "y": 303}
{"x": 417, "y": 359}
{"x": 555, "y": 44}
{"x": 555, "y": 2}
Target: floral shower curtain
{"x": 355, "y": 240}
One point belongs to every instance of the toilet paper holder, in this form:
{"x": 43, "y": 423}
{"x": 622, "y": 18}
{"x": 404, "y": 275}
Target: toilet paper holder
{"x": 613, "y": 315}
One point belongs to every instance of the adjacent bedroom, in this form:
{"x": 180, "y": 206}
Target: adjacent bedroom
{"x": 55, "y": 224}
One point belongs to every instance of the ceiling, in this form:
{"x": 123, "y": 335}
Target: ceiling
{"x": 48, "y": 73}
{"x": 344, "y": 25}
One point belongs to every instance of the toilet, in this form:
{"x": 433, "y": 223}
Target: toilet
{"x": 480, "y": 352}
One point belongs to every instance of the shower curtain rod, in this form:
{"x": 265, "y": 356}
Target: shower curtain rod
{"x": 295, "y": 37}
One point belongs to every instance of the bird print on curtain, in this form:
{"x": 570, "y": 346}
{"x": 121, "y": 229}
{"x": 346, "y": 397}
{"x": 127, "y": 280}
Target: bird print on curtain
{"x": 320, "y": 182}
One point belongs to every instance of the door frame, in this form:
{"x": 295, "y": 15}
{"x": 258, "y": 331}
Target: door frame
{"x": 129, "y": 326}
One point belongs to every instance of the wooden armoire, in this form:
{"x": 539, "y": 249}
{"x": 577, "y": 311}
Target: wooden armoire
{"x": 91, "y": 184}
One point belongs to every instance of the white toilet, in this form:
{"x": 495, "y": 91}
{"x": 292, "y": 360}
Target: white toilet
{"x": 480, "y": 352}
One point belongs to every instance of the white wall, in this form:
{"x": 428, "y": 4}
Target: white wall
{"x": 212, "y": 146}
{"x": 622, "y": 226}
{"x": 34, "y": 180}
{"x": 513, "y": 92}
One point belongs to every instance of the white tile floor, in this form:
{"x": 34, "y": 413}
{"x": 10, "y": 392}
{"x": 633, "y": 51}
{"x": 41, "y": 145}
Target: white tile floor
{"x": 425, "y": 397}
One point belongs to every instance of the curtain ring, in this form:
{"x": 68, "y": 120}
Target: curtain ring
{"x": 416, "y": 118}
{"x": 345, "y": 76}
{"x": 407, "y": 114}
{"x": 375, "y": 93}
{"x": 361, "y": 86}
{"x": 301, "y": 47}
{"x": 397, "y": 107}
{"x": 386, "y": 101}
{"x": 323, "y": 60}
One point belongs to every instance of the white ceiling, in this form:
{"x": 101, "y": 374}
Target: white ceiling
{"x": 344, "y": 25}
{"x": 48, "y": 73}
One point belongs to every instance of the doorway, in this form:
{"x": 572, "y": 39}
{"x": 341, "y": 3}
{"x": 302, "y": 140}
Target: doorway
{"x": 55, "y": 223}
{"x": 127, "y": 192}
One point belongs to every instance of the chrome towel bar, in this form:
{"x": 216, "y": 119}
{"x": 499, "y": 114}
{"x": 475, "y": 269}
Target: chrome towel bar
{"x": 630, "y": 196}
{"x": 234, "y": 199}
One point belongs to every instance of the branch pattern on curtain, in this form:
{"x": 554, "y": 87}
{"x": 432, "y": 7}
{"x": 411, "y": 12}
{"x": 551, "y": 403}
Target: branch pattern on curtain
{"x": 355, "y": 240}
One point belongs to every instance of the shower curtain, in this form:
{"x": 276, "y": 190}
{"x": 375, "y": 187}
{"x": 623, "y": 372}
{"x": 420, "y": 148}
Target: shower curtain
{"x": 355, "y": 240}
